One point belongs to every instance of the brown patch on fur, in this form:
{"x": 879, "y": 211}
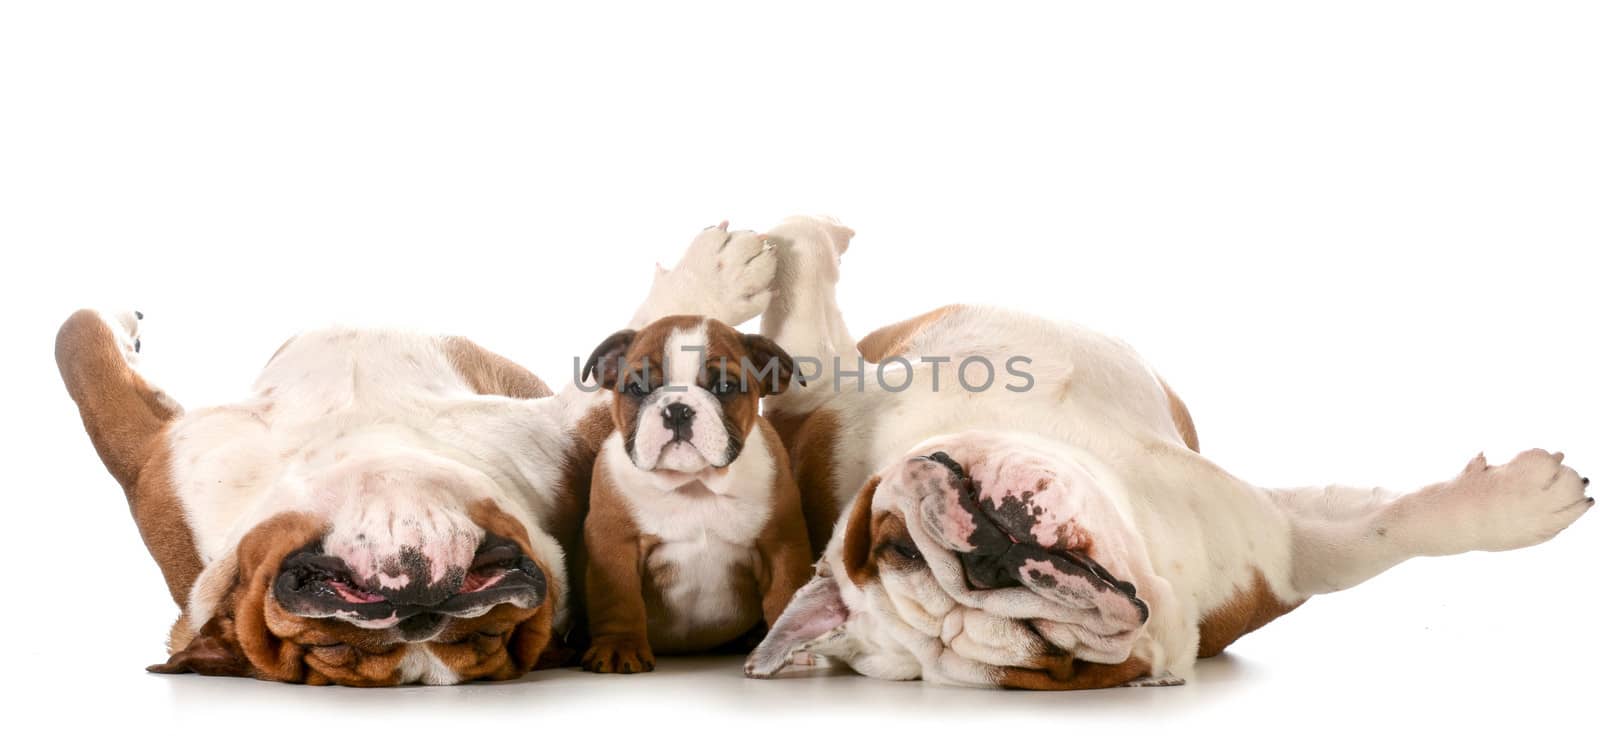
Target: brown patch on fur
{"x": 1181, "y": 418}
{"x": 1067, "y": 673}
{"x": 809, "y": 440}
{"x": 613, "y": 582}
{"x": 895, "y": 339}
{"x": 160, "y": 518}
{"x": 127, "y": 420}
{"x": 857, "y": 551}
{"x": 489, "y": 373}
{"x": 1250, "y": 608}
{"x": 565, "y": 522}
{"x": 785, "y": 550}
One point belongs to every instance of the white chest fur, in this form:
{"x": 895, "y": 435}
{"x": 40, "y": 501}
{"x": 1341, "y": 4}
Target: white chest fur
{"x": 700, "y": 558}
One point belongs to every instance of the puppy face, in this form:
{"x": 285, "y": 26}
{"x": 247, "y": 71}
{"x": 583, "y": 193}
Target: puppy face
{"x": 978, "y": 559}
{"x": 397, "y": 570}
{"x": 687, "y": 391}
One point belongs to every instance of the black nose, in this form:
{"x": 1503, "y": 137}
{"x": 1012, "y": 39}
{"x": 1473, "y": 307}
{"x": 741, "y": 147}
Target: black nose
{"x": 678, "y": 418}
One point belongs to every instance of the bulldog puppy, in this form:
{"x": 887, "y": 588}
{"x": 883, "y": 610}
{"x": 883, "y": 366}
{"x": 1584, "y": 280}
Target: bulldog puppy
{"x": 694, "y": 534}
{"x": 1037, "y": 515}
{"x": 384, "y": 508}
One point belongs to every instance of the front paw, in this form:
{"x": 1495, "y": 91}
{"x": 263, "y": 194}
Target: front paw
{"x": 1526, "y": 501}
{"x": 627, "y": 655}
{"x": 726, "y": 275}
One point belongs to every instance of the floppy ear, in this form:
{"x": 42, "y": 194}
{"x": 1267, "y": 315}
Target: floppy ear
{"x": 606, "y": 361}
{"x": 765, "y": 357}
{"x": 857, "y": 549}
{"x": 535, "y": 645}
{"x": 214, "y": 651}
{"x": 816, "y": 613}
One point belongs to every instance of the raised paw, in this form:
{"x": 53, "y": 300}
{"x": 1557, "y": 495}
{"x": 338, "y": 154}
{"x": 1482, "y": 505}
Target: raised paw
{"x": 619, "y": 656}
{"x": 746, "y": 265}
{"x": 726, "y": 275}
{"x": 1521, "y": 503}
{"x": 810, "y": 248}
{"x": 125, "y": 327}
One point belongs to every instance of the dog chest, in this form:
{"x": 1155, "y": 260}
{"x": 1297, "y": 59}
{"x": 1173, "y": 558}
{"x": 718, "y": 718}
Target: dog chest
{"x": 699, "y": 594}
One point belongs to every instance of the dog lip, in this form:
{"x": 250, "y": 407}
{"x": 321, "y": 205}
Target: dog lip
{"x": 313, "y": 584}
{"x": 943, "y": 459}
{"x": 421, "y": 626}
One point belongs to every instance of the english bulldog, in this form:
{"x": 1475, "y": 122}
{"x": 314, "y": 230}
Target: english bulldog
{"x": 694, "y": 534}
{"x": 384, "y": 508}
{"x": 1058, "y": 529}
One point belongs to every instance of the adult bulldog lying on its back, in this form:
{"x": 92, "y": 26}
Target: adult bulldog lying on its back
{"x": 384, "y": 508}
{"x": 1069, "y": 535}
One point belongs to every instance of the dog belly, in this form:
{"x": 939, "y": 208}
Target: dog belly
{"x": 699, "y": 595}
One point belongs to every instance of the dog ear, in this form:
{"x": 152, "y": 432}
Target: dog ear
{"x": 214, "y": 651}
{"x": 816, "y": 614}
{"x": 857, "y": 549}
{"x": 771, "y": 366}
{"x": 606, "y": 361}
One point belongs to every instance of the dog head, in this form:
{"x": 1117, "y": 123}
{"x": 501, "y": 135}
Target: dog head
{"x": 979, "y": 559}
{"x": 383, "y": 570}
{"x": 687, "y": 391}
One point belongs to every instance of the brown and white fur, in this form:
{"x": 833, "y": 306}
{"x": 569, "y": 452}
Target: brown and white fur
{"x": 1070, "y": 535}
{"x": 694, "y": 534}
{"x": 384, "y": 508}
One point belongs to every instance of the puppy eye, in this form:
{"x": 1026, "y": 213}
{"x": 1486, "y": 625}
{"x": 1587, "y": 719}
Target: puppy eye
{"x": 725, "y": 387}
{"x": 635, "y": 388}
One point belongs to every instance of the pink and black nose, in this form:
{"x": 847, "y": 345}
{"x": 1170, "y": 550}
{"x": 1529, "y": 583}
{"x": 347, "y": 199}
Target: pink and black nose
{"x": 313, "y": 584}
{"x": 1000, "y": 550}
{"x": 679, "y": 418}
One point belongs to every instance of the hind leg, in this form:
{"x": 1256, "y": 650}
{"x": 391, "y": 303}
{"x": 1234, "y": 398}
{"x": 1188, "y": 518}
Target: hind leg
{"x": 1342, "y": 536}
{"x": 127, "y": 417}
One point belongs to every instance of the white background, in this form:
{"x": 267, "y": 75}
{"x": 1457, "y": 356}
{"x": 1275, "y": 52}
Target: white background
{"x": 1359, "y": 239}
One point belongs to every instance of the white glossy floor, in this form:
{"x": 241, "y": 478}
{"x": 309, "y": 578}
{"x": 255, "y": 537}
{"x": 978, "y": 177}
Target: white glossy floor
{"x": 1477, "y": 643}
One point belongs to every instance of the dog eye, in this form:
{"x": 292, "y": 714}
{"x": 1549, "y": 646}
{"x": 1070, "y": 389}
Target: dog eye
{"x": 635, "y": 388}
{"x": 903, "y": 549}
{"x": 725, "y": 387}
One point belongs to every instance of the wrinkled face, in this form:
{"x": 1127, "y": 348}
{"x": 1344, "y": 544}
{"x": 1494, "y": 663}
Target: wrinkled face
{"x": 395, "y": 573}
{"x": 687, "y": 391}
{"x": 979, "y": 559}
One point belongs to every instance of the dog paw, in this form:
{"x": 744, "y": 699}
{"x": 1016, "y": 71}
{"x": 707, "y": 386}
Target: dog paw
{"x": 810, "y": 248}
{"x": 726, "y": 275}
{"x": 619, "y": 656}
{"x": 1521, "y": 503}
{"x": 733, "y": 271}
{"x": 125, "y": 327}
{"x": 1166, "y": 680}
{"x": 746, "y": 266}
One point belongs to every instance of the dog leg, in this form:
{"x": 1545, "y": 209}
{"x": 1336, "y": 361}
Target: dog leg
{"x": 804, "y": 316}
{"x": 122, "y": 411}
{"x": 127, "y": 418}
{"x": 1343, "y": 536}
